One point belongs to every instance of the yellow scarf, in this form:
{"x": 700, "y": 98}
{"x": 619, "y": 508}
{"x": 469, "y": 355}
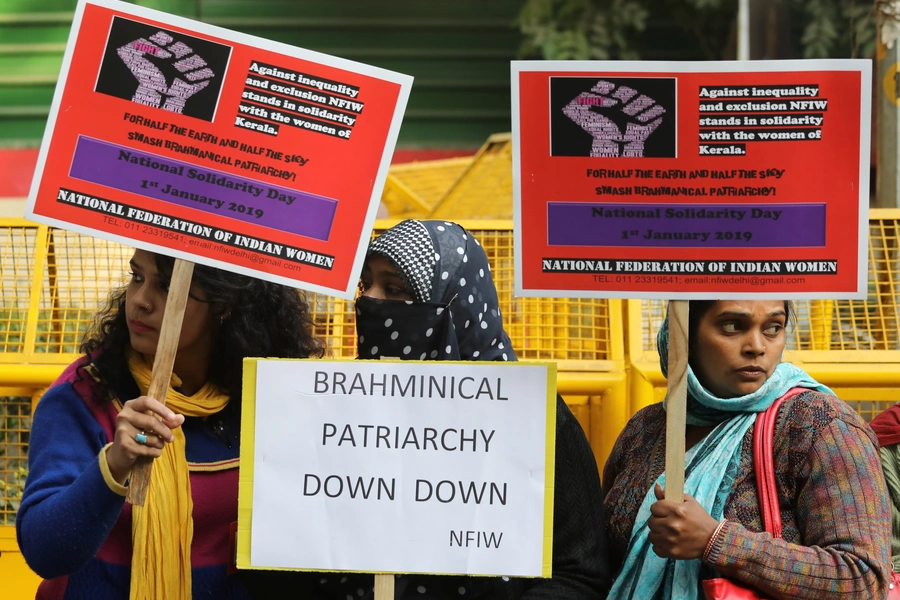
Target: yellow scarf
{"x": 162, "y": 529}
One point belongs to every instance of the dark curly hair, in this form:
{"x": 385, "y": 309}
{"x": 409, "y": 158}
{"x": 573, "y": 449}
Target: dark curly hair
{"x": 263, "y": 319}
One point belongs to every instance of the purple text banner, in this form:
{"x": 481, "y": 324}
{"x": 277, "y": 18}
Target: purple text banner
{"x": 215, "y": 192}
{"x": 686, "y": 225}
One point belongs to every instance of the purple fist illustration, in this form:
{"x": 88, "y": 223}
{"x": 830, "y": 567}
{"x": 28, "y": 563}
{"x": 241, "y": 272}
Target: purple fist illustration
{"x": 620, "y": 119}
{"x": 146, "y": 60}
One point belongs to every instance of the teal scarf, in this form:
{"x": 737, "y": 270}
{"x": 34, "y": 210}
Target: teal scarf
{"x": 710, "y": 469}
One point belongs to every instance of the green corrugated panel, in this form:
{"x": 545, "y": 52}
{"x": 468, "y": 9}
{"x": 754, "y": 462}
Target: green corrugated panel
{"x": 15, "y": 68}
{"x": 24, "y": 7}
{"x": 460, "y": 10}
{"x": 185, "y": 8}
{"x": 33, "y": 35}
{"x": 458, "y": 52}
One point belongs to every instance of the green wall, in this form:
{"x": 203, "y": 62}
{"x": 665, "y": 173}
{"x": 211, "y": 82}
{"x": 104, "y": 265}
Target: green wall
{"x": 457, "y": 50}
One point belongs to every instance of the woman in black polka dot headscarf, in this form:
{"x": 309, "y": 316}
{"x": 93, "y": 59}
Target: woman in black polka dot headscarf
{"x": 427, "y": 294}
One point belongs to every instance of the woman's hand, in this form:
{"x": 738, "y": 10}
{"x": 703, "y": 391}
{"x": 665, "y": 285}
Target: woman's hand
{"x": 132, "y": 420}
{"x": 679, "y": 531}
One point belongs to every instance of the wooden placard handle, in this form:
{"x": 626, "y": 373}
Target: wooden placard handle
{"x": 169, "y": 334}
{"x": 384, "y": 587}
{"x": 676, "y": 402}
{"x": 384, "y": 583}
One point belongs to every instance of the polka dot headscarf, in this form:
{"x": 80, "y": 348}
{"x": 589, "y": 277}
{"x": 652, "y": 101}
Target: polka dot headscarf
{"x": 456, "y": 315}
{"x": 408, "y": 246}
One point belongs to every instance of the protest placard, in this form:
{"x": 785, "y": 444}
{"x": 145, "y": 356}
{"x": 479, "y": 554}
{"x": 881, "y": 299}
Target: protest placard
{"x": 713, "y": 180}
{"x": 397, "y": 466}
{"x": 217, "y": 147}
{"x": 691, "y": 180}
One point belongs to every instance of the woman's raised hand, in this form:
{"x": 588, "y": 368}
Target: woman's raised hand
{"x": 140, "y": 434}
{"x": 679, "y": 530}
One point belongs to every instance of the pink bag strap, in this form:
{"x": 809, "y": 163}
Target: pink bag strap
{"x": 764, "y": 464}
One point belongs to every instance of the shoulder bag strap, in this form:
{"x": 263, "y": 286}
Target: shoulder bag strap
{"x": 764, "y": 465}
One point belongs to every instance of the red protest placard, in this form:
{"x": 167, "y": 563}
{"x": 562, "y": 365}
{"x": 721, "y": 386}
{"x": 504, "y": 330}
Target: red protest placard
{"x": 691, "y": 180}
{"x": 217, "y": 147}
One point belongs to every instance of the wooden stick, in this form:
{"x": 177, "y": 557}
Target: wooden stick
{"x": 166, "y": 347}
{"x": 384, "y": 587}
{"x": 384, "y": 583}
{"x": 676, "y": 402}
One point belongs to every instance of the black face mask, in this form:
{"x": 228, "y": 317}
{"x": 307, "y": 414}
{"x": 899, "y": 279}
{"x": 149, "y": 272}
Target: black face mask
{"x": 405, "y": 330}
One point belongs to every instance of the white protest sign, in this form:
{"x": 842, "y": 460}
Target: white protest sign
{"x": 398, "y": 467}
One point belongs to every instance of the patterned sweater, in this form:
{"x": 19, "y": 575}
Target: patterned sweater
{"x": 890, "y": 465}
{"x": 834, "y": 504}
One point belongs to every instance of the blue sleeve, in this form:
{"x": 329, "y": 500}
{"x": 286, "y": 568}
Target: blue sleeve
{"x": 67, "y": 508}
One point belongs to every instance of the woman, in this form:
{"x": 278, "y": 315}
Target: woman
{"x": 433, "y": 280}
{"x": 74, "y": 527}
{"x": 832, "y": 495}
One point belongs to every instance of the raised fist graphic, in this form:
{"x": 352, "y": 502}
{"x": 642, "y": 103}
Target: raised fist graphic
{"x": 150, "y": 61}
{"x": 619, "y": 119}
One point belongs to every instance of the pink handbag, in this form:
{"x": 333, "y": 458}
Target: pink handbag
{"x": 726, "y": 589}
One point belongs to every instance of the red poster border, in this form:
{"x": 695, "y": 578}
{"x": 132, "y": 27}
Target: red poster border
{"x": 543, "y": 182}
{"x": 336, "y": 197}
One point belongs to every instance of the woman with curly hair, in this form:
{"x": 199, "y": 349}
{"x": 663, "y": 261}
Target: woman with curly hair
{"x": 74, "y": 527}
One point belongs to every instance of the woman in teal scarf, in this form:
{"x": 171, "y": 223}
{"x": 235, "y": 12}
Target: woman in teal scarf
{"x": 835, "y": 514}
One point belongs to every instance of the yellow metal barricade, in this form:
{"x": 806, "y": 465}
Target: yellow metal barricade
{"x": 484, "y": 189}
{"x": 19, "y": 582}
{"x": 413, "y": 189}
{"x": 44, "y": 316}
{"x": 15, "y": 424}
{"x": 53, "y": 281}
{"x": 16, "y": 409}
{"x": 852, "y": 346}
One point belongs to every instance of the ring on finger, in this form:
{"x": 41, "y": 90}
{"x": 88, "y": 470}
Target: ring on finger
{"x": 141, "y": 437}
